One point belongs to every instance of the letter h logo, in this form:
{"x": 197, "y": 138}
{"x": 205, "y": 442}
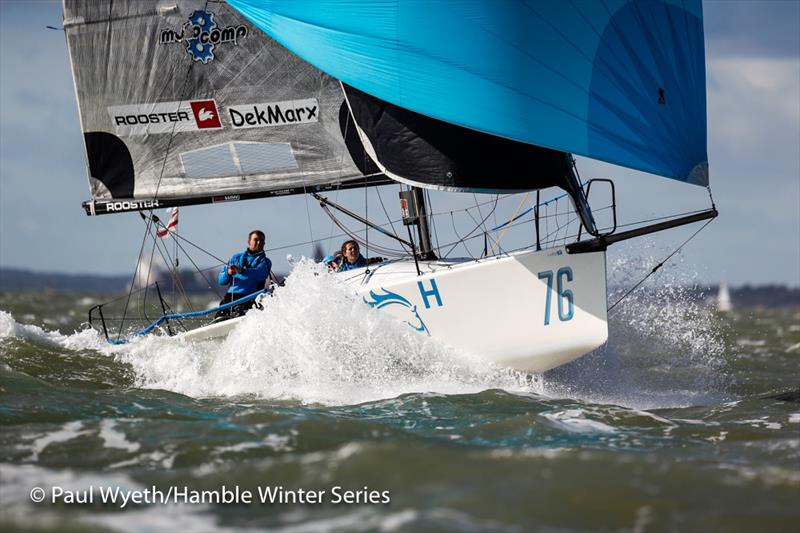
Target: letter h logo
{"x": 434, "y": 291}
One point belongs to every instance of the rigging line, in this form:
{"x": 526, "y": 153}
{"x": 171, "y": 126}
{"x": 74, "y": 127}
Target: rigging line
{"x": 385, "y": 212}
{"x": 503, "y": 233}
{"x": 210, "y": 285}
{"x": 475, "y": 197}
{"x": 168, "y": 261}
{"x": 132, "y": 283}
{"x": 213, "y": 286}
{"x": 482, "y": 222}
{"x": 366, "y": 217}
{"x": 198, "y": 247}
{"x": 494, "y": 215}
{"x": 433, "y": 224}
{"x": 655, "y": 268}
{"x": 635, "y": 223}
{"x": 176, "y": 283}
{"x": 532, "y": 208}
{"x": 487, "y": 202}
{"x": 480, "y": 235}
{"x": 546, "y": 221}
{"x": 173, "y": 272}
{"x": 390, "y": 223}
{"x": 461, "y": 239}
{"x": 570, "y": 220}
{"x": 175, "y": 254}
{"x": 457, "y": 241}
{"x": 485, "y": 233}
{"x": 710, "y": 196}
{"x": 352, "y": 235}
{"x": 135, "y": 271}
{"x": 143, "y": 295}
{"x": 308, "y": 218}
{"x": 593, "y": 211}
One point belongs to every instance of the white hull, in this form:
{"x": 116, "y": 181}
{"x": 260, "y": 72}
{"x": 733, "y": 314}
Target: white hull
{"x": 498, "y": 308}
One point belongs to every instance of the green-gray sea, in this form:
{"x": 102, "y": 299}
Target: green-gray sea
{"x": 687, "y": 420}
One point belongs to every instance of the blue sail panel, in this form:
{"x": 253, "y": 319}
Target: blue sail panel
{"x": 621, "y": 81}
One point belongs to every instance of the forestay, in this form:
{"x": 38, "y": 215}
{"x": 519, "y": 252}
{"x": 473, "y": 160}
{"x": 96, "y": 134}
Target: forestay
{"x": 620, "y": 80}
{"x": 182, "y": 103}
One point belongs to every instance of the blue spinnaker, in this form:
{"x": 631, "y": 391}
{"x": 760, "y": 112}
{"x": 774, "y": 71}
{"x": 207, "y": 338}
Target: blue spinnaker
{"x": 621, "y": 81}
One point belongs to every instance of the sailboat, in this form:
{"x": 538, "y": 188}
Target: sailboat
{"x": 191, "y": 102}
{"x": 724, "y": 304}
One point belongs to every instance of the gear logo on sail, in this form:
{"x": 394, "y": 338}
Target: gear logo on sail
{"x": 201, "y": 35}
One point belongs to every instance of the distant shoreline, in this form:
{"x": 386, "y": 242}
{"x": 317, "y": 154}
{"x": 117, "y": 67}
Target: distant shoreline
{"x": 20, "y": 280}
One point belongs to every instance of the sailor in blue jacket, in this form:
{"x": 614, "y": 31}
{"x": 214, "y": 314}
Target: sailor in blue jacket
{"x": 349, "y": 258}
{"x": 246, "y": 273}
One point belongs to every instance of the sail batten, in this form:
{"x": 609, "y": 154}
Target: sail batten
{"x": 621, "y": 81}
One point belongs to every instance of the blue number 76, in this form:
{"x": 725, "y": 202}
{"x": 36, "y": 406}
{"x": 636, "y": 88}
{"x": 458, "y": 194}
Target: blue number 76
{"x": 563, "y": 294}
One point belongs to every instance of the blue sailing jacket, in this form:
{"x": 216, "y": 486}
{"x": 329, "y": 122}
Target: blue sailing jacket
{"x": 256, "y": 268}
{"x": 360, "y": 262}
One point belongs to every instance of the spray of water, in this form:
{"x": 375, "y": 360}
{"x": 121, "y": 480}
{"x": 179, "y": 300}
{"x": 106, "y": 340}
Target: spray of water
{"x": 316, "y": 342}
{"x": 666, "y": 347}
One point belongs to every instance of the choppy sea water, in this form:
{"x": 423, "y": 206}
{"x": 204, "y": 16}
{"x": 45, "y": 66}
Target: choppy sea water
{"x": 687, "y": 420}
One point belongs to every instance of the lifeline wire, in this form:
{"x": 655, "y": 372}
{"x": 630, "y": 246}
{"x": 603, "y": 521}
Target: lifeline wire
{"x": 655, "y": 268}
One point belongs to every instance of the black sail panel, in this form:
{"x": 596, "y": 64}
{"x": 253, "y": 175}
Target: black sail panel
{"x": 419, "y": 150}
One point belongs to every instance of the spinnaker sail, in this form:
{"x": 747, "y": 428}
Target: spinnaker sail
{"x": 621, "y": 81}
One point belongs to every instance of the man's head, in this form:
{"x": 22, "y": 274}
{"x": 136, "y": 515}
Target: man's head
{"x": 256, "y": 241}
{"x": 350, "y": 251}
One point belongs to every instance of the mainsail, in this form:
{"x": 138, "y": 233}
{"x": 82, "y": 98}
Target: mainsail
{"x": 621, "y": 81}
{"x": 186, "y": 102}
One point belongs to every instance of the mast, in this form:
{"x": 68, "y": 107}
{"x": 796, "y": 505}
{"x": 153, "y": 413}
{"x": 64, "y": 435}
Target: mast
{"x": 425, "y": 247}
{"x": 414, "y": 212}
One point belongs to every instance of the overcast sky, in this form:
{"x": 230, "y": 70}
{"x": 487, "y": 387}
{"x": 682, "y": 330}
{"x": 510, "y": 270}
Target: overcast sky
{"x": 753, "y": 63}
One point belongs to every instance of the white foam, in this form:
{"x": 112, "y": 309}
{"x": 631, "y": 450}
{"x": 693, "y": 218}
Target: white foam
{"x": 279, "y": 443}
{"x": 315, "y": 341}
{"x": 575, "y": 420}
{"x": 84, "y": 339}
{"x": 116, "y": 439}
{"x": 68, "y": 431}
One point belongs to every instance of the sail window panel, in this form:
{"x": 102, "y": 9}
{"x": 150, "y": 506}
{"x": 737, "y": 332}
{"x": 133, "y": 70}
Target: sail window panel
{"x": 238, "y": 159}
{"x": 212, "y": 162}
{"x": 260, "y": 158}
